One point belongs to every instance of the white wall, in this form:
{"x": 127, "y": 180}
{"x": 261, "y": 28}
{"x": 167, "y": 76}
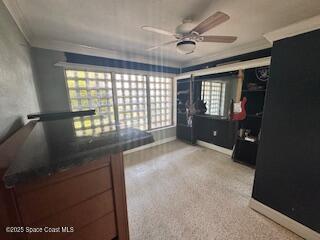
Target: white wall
{"x": 17, "y": 91}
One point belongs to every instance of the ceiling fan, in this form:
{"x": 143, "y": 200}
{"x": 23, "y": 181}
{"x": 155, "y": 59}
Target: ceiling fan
{"x": 187, "y": 39}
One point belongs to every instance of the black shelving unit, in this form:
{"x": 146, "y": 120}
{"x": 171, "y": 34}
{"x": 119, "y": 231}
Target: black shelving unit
{"x": 254, "y": 89}
{"x": 184, "y": 132}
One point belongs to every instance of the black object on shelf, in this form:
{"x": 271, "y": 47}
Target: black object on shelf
{"x": 245, "y": 152}
{"x": 50, "y": 116}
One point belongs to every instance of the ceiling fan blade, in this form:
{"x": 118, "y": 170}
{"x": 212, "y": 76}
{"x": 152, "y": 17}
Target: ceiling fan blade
{"x": 220, "y": 39}
{"x": 161, "y": 45}
{"x": 210, "y": 22}
{"x": 157, "y": 30}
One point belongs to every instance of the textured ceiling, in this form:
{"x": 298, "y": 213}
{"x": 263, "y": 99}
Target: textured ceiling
{"x": 115, "y": 24}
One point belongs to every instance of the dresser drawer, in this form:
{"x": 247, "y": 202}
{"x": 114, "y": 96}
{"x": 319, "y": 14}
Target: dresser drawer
{"x": 62, "y": 175}
{"x": 102, "y": 229}
{"x": 52, "y": 199}
{"x": 78, "y": 217}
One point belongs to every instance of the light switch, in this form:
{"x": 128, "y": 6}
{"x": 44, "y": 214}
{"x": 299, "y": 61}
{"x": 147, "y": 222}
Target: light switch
{"x": 215, "y": 133}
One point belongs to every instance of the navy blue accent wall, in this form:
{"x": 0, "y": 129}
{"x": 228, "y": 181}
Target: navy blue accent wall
{"x": 116, "y": 63}
{"x": 287, "y": 176}
{"x": 244, "y": 57}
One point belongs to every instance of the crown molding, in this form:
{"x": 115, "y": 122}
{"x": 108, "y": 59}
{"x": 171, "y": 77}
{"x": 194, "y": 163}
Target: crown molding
{"x": 16, "y": 13}
{"x": 297, "y": 28}
{"x": 64, "y": 46}
{"x": 22, "y": 23}
{"x": 238, "y": 50}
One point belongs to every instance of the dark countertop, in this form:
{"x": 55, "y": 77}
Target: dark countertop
{"x": 53, "y": 146}
{"x": 212, "y": 117}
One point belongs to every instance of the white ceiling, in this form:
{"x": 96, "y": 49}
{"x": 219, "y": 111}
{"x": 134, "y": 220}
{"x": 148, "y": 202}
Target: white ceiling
{"x": 114, "y": 25}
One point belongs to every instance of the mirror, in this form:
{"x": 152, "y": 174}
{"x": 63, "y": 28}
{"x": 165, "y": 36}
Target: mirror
{"x": 217, "y": 93}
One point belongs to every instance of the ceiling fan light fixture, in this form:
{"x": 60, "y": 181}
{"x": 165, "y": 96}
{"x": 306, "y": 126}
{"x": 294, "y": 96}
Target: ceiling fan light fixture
{"x": 186, "y": 35}
{"x": 186, "y": 47}
{"x": 184, "y": 28}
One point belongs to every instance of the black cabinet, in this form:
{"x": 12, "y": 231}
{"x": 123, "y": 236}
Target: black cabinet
{"x": 220, "y": 132}
{"x": 212, "y": 129}
{"x": 186, "y": 134}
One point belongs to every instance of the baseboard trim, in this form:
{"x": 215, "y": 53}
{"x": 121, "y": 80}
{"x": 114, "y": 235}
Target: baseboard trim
{"x": 284, "y": 221}
{"x": 215, "y": 147}
{"x": 156, "y": 143}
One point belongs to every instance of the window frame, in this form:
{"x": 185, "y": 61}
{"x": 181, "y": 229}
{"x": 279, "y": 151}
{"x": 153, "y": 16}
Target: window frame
{"x": 113, "y": 72}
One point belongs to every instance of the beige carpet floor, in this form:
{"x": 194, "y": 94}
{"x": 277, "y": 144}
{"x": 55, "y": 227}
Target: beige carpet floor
{"x": 179, "y": 191}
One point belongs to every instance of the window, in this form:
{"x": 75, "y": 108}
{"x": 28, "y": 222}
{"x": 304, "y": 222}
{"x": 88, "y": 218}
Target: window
{"x": 132, "y": 100}
{"x": 99, "y": 90}
{"x": 213, "y": 93}
{"x": 160, "y": 101}
{"x": 91, "y": 90}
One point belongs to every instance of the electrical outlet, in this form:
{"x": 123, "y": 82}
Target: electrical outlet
{"x": 215, "y": 133}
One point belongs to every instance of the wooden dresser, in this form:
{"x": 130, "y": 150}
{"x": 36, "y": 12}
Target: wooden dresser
{"x": 85, "y": 202}
{"x": 58, "y": 186}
